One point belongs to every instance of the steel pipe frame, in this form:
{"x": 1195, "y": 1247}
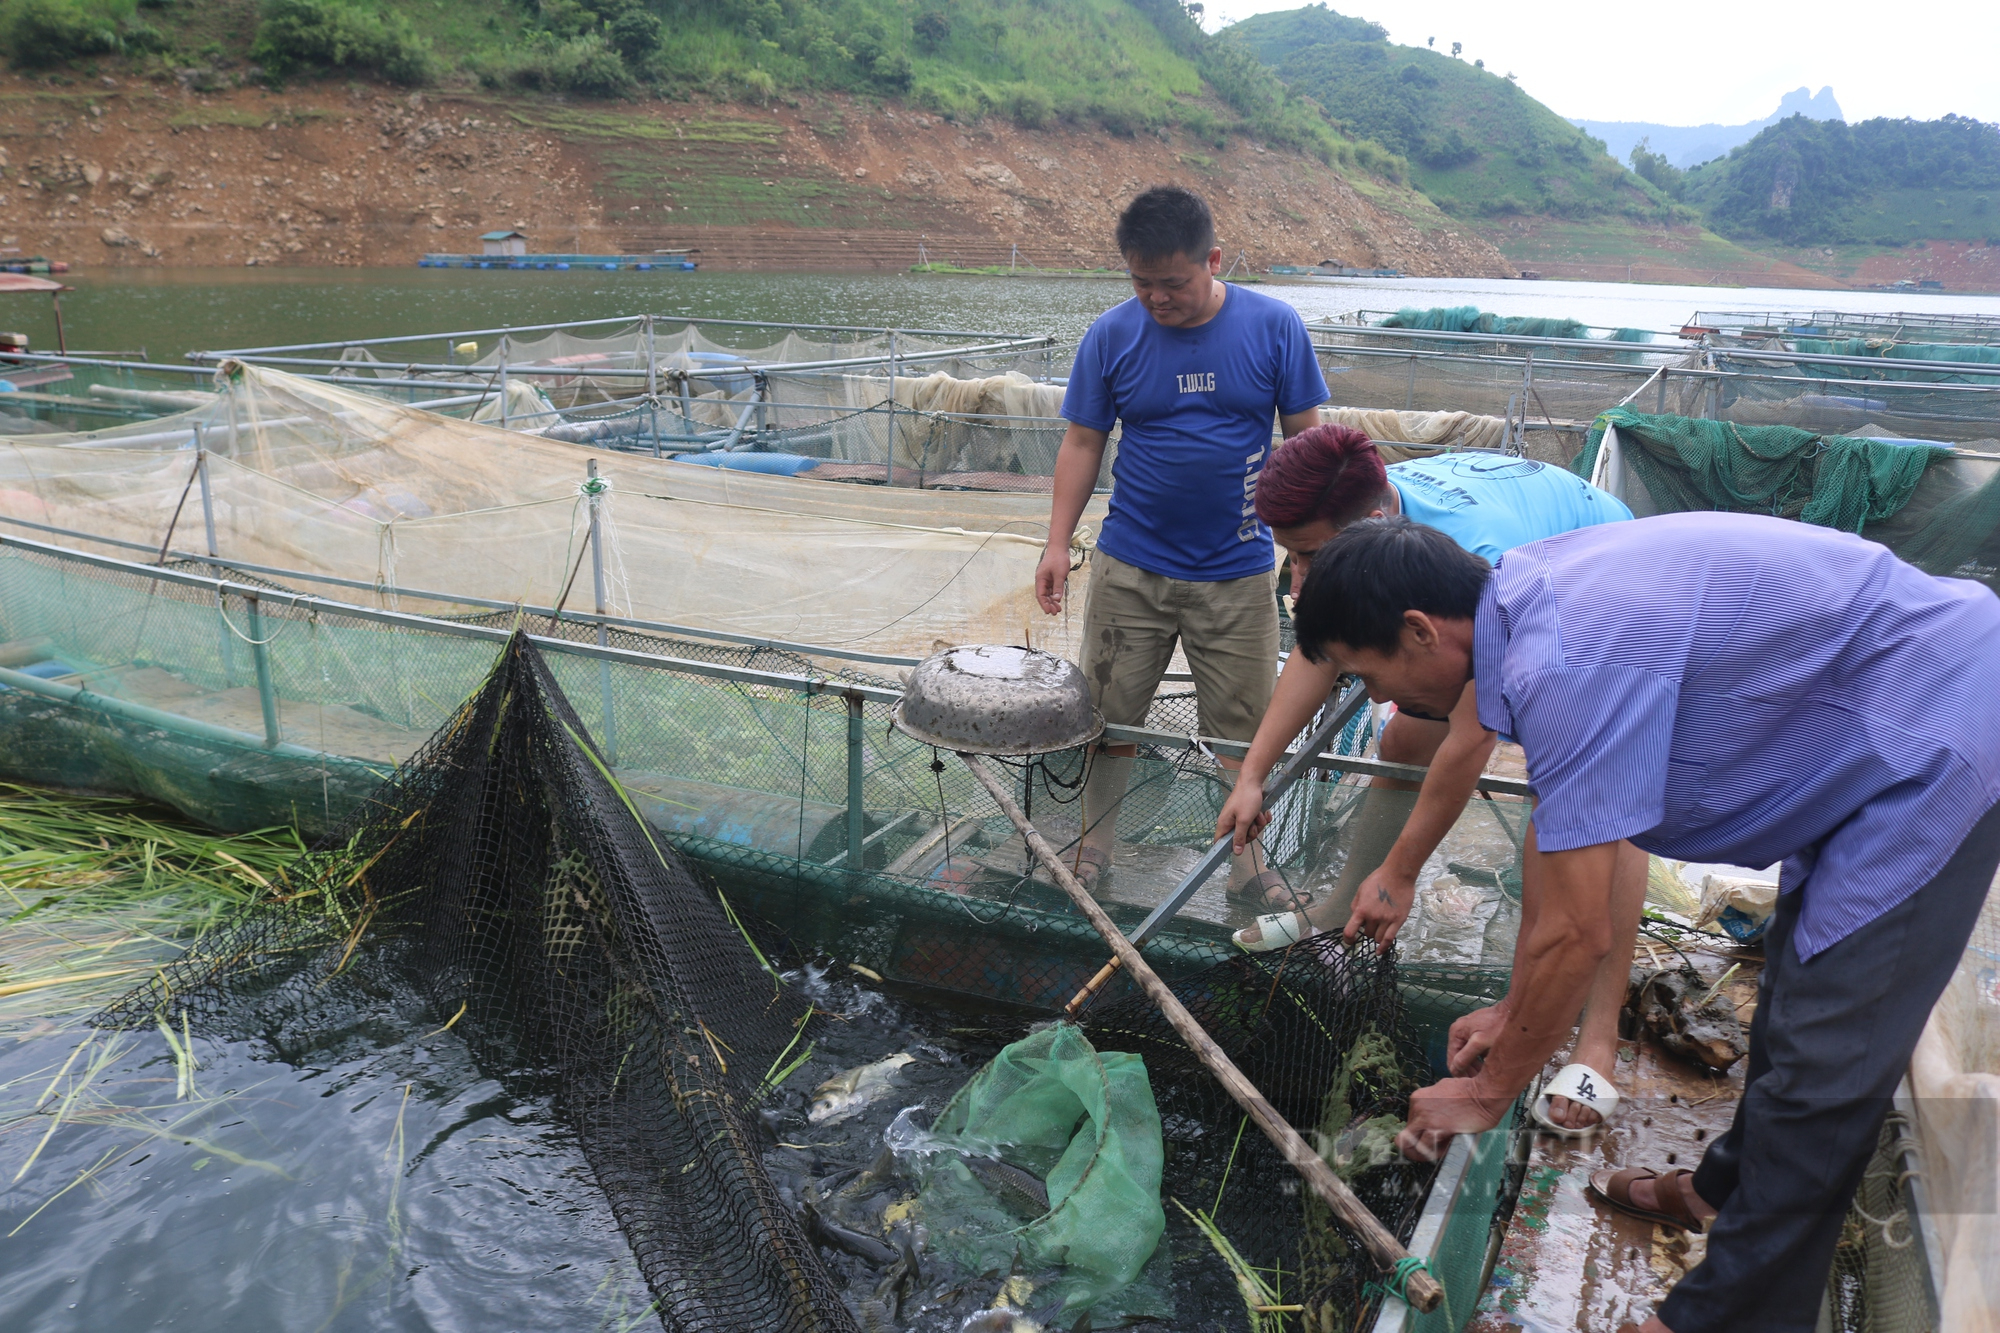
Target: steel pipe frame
{"x": 542, "y": 370}
{"x": 775, "y": 680}
{"x": 588, "y": 324}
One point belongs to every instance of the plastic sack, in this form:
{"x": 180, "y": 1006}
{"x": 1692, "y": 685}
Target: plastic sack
{"x": 1086, "y": 1124}
{"x": 1741, "y": 906}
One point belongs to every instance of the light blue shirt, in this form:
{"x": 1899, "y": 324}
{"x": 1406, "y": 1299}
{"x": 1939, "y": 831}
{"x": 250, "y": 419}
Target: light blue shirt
{"x": 1489, "y": 503}
{"x": 1737, "y": 688}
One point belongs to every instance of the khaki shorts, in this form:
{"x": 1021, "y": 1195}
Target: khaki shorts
{"x": 1229, "y": 631}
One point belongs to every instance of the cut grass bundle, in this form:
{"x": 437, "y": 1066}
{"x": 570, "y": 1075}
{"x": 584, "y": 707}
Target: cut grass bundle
{"x": 97, "y": 890}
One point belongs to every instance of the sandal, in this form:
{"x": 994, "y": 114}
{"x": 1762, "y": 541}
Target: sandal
{"x": 1279, "y": 930}
{"x": 1268, "y": 889}
{"x": 1579, "y": 1083}
{"x": 1615, "y": 1189}
{"x": 1089, "y": 866}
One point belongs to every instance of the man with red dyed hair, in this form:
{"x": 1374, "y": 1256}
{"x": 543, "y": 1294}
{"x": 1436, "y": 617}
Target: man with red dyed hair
{"x": 1318, "y": 483}
{"x": 1194, "y": 371}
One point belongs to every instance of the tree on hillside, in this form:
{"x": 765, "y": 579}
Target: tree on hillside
{"x": 1654, "y": 167}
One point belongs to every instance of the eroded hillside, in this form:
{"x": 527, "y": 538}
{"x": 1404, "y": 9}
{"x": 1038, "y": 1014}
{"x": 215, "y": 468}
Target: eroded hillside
{"x": 144, "y": 173}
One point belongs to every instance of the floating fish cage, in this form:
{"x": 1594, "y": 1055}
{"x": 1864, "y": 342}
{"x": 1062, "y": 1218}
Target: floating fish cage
{"x": 925, "y": 408}
{"x": 770, "y": 768}
{"x": 666, "y": 263}
{"x": 1928, "y": 326}
{"x": 1539, "y": 395}
{"x": 58, "y": 394}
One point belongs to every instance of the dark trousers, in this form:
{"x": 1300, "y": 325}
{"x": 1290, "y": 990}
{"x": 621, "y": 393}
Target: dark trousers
{"x": 1831, "y": 1039}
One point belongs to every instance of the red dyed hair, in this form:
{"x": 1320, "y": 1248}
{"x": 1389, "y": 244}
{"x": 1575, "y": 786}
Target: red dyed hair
{"x": 1324, "y": 472}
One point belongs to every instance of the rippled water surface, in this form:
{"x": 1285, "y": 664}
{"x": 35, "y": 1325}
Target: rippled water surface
{"x": 369, "y": 1178}
{"x": 170, "y": 312}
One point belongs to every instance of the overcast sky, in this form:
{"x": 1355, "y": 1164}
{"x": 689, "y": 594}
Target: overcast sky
{"x": 1725, "y": 63}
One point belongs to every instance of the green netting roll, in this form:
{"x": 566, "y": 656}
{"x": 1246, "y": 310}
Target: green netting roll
{"x": 1887, "y": 350}
{"x": 1471, "y": 319}
{"x": 1835, "y": 481}
{"x": 1085, "y": 1122}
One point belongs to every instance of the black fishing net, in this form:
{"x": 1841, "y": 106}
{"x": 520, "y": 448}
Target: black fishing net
{"x": 1322, "y": 1032}
{"x": 503, "y": 872}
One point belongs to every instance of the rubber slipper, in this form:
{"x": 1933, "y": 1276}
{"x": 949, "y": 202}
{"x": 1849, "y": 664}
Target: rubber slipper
{"x": 1090, "y": 866}
{"x": 1279, "y": 930}
{"x": 1268, "y": 888}
{"x": 1614, "y": 1189}
{"x": 1579, "y": 1083}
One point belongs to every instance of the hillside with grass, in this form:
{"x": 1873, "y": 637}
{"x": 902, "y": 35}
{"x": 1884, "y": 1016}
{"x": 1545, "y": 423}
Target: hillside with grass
{"x": 1124, "y": 66}
{"x": 807, "y": 134}
{"x": 1476, "y": 144}
{"x": 1881, "y": 182}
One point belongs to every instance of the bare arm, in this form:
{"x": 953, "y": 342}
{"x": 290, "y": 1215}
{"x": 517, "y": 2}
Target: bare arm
{"x": 1292, "y": 423}
{"x": 1077, "y": 465}
{"x": 1302, "y": 687}
{"x": 1552, "y": 974}
{"x": 1382, "y": 903}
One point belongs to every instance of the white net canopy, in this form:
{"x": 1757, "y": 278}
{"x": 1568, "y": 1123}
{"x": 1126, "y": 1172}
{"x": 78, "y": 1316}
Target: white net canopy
{"x": 316, "y": 478}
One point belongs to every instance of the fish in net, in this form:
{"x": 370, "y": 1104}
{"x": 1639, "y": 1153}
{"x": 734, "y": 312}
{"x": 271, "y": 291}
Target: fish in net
{"x": 1321, "y": 1030}
{"x": 504, "y": 873}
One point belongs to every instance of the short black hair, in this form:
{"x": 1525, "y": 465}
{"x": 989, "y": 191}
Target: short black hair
{"x": 1164, "y": 221}
{"x": 1362, "y": 582}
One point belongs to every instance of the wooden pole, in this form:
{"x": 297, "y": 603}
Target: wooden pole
{"x": 1422, "y": 1290}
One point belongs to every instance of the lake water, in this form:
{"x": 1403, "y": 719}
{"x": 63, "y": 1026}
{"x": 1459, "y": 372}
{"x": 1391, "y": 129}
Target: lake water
{"x": 171, "y": 312}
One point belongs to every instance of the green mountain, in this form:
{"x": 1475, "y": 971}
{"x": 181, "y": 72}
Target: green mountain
{"x": 1881, "y": 182}
{"x": 1476, "y": 143}
{"x": 1130, "y": 66}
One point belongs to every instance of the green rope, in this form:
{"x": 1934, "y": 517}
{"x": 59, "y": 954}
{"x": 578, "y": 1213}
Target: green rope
{"x": 1398, "y": 1284}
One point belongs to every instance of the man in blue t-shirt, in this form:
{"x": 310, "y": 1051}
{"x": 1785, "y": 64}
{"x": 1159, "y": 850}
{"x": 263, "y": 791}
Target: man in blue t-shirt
{"x": 1194, "y": 371}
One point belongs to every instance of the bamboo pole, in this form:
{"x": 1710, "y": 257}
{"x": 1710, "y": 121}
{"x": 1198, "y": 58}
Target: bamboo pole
{"x": 1422, "y": 1290}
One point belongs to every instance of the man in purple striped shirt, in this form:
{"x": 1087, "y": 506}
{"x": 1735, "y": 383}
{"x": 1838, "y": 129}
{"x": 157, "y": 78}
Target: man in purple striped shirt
{"x": 1713, "y": 687}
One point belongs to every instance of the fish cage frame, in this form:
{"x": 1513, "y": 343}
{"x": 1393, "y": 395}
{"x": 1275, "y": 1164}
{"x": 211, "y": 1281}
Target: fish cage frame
{"x": 1710, "y": 370}
{"x": 1183, "y": 945}
{"x": 1948, "y": 326}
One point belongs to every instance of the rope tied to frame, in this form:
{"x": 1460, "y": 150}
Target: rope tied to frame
{"x": 592, "y": 487}
{"x": 1397, "y": 1283}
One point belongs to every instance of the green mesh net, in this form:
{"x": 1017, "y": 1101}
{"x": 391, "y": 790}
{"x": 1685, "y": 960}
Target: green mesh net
{"x": 1888, "y": 350}
{"x": 1835, "y": 481}
{"x": 1085, "y": 1124}
{"x": 1471, "y": 319}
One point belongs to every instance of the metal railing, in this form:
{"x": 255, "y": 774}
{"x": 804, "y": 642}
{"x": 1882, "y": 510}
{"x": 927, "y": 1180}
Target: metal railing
{"x": 262, "y": 600}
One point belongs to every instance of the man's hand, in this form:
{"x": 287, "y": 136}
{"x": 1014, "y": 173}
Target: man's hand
{"x": 1381, "y": 906}
{"x": 1051, "y": 579}
{"x": 1471, "y": 1037}
{"x": 1243, "y": 815}
{"x": 1451, "y": 1106}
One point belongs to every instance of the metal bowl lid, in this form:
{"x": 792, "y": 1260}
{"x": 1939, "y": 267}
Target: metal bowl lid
{"x": 994, "y": 699}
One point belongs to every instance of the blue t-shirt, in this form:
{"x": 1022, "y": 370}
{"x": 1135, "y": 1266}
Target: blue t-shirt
{"x": 1489, "y": 503}
{"x": 1197, "y": 406}
{"x": 1745, "y": 689}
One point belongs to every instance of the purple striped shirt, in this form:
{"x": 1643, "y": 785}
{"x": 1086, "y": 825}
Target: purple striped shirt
{"x": 1725, "y": 687}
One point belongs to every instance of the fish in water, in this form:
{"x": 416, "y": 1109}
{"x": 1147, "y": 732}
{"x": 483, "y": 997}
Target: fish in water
{"x": 906, "y": 1272}
{"x": 834, "y": 1236}
{"x": 847, "y": 1094}
{"x": 1015, "y": 1188}
{"x": 1000, "y": 1320}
